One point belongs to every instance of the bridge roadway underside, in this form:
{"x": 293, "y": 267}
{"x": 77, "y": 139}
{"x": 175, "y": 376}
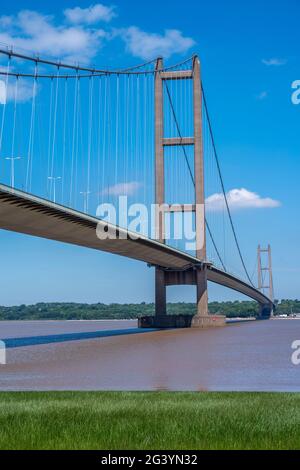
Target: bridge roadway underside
{"x": 24, "y": 213}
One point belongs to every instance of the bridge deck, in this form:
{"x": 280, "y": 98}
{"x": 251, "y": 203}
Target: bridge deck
{"x": 24, "y": 213}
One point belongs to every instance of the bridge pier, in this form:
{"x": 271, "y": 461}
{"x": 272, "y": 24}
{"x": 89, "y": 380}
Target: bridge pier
{"x": 202, "y": 319}
{"x": 160, "y": 293}
{"x": 265, "y": 311}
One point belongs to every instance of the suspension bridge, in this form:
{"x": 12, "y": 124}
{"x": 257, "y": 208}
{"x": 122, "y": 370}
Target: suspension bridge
{"x": 75, "y": 138}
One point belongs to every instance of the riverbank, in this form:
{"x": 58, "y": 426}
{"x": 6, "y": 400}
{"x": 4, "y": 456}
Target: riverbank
{"x": 149, "y": 420}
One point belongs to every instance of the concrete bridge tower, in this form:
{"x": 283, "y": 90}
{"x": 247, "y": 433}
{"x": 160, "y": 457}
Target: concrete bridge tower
{"x": 195, "y": 276}
{"x": 265, "y": 278}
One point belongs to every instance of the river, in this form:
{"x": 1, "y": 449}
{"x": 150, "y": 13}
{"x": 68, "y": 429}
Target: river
{"x": 254, "y": 356}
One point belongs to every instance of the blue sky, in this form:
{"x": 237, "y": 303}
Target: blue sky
{"x": 249, "y": 56}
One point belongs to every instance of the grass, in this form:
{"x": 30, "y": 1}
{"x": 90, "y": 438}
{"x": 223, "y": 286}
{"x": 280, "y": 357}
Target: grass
{"x": 149, "y": 420}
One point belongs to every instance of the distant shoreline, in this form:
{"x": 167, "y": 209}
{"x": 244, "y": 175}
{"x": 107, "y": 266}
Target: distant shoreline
{"x": 70, "y": 311}
{"x": 228, "y": 320}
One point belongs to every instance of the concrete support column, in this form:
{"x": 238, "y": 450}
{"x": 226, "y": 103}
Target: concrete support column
{"x": 265, "y": 311}
{"x": 160, "y": 285}
{"x": 160, "y": 293}
{"x": 198, "y": 158}
{"x": 159, "y": 151}
{"x": 202, "y": 296}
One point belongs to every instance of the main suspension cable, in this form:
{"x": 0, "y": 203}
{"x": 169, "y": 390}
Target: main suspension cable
{"x": 223, "y": 186}
{"x": 134, "y": 70}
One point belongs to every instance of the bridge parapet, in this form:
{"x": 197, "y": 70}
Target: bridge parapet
{"x": 164, "y": 278}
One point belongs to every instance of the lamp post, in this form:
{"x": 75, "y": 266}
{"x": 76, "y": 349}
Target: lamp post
{"x": 85, "y": 195}
{"x": 54, "y": 179}
{"x": 12, "y": 173}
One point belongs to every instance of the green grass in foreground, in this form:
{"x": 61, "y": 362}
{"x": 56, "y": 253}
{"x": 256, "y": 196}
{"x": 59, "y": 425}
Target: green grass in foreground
{"x": 149, "y": 420}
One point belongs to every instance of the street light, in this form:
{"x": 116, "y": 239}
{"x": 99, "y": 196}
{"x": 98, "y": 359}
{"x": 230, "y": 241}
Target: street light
{"x": 54, "y": 179}
{"x": 85, "y": 200}
{"x": 12, "y": 173}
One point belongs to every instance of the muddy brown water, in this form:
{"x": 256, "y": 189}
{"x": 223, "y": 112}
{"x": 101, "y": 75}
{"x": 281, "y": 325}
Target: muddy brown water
{"x": 245, "y": 356}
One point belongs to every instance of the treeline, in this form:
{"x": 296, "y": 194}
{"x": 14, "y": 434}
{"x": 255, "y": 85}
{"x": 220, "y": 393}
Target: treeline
{"x": 77, "y": 311}
{"x": 287, "y": 306}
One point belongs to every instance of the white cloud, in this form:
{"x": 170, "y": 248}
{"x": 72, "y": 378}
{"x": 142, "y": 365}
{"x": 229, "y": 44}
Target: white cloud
{"x": 22, "y": 90}
{"x": 3, "y": 94}
{"x": 6, "y": 20}
{"x": 32, "y": 31}
{"x": 150, "y": 45}
{"x": 75, "y": 40}
{"x": 275, "y": 61}
{"x": 122, "y": 189}
{"x": 239, "y": 199}
{"x": 91, "y": 15}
